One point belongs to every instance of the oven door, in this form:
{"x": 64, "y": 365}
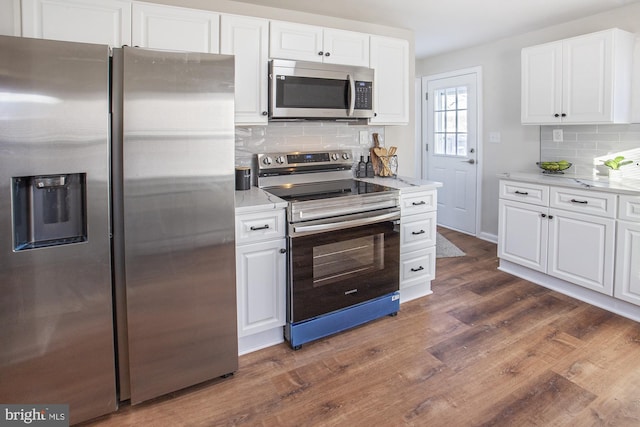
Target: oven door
{"x": 335, "y": 264}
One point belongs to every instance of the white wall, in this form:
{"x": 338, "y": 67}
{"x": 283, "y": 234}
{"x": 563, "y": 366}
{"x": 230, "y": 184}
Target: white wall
{"x": 500, "y": 62}
{"x": 401, "y": 136}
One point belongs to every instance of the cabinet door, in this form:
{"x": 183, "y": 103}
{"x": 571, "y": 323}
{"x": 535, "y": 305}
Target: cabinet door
{"x": 175, "y": 28}
{"x": 89, "y": 21}
{"x": 10, "y": 18}
{"x": 627, "y": 276}
{"x": 346, "y": 47}
{"x": 541, "y": 84}
{"x": 390, "y": 60}
{"x": 247, "y": 39}
{"x": 523, "y": 233}
{"x": 261, "y": 281}
{"x": 581, "y": 249}
{"x": 588, "y": 80}
{"x": 288, "y": 40}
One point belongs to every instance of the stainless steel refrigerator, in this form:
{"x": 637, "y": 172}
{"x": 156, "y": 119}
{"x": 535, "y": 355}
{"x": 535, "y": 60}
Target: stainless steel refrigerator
{"x": 174, "y": 220}
{"x": 117, "y": 251}
{"x": 56, "y": 314}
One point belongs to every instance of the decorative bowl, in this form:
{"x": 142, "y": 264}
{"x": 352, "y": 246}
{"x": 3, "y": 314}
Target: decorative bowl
{"x": 554, "y": 167}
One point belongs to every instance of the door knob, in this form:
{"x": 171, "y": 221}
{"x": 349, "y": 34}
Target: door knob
{"x": 470, "y": 161}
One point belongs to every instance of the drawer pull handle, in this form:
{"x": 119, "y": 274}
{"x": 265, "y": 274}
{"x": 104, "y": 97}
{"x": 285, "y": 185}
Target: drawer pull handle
{"x": 415, "y": 233}
{"x": 421, "y": 202}
{"x": 522, "y": 193}
{"x": 583, "y": 202}
{"x": 264, "y": 227}
{"x": 417, "y": 269}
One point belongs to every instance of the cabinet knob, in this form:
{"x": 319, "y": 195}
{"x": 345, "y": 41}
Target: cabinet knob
{"x": 320, "y": 53}
{"x": 264, "y": 113}
{"x": 543, "y": 215}
{"x": 283, "y": 251}
{"x": 550, "y": 216}
{"x": 327, "y": 54}
{"x": 563, "y": 115}
{"x": 556, "y": 115}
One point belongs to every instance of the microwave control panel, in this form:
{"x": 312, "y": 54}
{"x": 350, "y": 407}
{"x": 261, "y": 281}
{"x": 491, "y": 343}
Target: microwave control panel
{"x": 364, "y": 95}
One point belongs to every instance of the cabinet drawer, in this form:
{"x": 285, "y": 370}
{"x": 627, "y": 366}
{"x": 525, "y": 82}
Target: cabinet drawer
{"x": 525, "y": 192}
{"x": 629, "y": 208}
{"x": 417, "y": 267}
{"x": 594, "y": 203}
{"x": 415, "y": 203}
{"x": 417, "y": 232}
{"x": 258, "y": 226}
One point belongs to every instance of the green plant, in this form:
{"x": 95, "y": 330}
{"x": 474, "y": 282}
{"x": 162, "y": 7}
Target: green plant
{"x": 616, "y": 163}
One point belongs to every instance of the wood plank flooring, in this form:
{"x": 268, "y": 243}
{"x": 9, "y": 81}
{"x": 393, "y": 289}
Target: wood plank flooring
{"x": 486, "y": 349}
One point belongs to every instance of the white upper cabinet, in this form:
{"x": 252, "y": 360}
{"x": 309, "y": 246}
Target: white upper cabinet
{"x": 345, "y": 47}
{"x": 175, "y": 28}
{"x": 248, "y": 39}
{"x": 89, "y": 21}
{"x": 584, "y": 79}
{"x": 390, "y": 60}
{"x": 303, "y": 42}
{"x": 10, "y": 18}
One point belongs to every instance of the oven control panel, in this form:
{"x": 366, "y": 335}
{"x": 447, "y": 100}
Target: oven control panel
{"x": 302, "y": 159}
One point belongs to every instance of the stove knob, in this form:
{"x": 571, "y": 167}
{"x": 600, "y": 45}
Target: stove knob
{"x": 280, "y": 160}
{"x": 266, "y": 161}
{"x": 345, "y": 156}
{"x": 334, "y": 156}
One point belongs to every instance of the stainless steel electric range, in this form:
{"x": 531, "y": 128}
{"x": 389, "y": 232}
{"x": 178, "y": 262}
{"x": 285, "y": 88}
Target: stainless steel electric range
{"x": 343, "y": 242}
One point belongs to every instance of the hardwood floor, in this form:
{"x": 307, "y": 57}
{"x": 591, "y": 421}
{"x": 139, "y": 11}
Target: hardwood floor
{"x": 486, "y": 349}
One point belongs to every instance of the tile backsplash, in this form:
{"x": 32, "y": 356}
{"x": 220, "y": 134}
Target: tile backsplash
{"x": 586, "y": 146}
{"x": 302, "y": 136}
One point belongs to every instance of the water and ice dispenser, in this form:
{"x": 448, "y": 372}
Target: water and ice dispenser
{"x": 49, "y": 210}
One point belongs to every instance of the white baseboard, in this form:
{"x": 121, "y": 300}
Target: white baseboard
{"x": 493, "y": 238}
{"x": 603, "y": 301}
{"x": 414, "y": 292}
{"x": 260, "y": 340}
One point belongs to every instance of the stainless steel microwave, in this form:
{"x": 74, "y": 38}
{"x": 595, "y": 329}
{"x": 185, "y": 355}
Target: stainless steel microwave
{"x": 310, "y": 90}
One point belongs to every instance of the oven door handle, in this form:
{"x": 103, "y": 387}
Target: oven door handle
{"x": 339, "y": 225}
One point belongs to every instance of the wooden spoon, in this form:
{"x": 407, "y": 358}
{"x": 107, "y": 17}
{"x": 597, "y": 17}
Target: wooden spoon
{"x": 392, "y": 150}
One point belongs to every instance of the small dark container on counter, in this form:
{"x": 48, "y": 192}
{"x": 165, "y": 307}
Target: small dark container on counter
{"x": 243, "y": 178}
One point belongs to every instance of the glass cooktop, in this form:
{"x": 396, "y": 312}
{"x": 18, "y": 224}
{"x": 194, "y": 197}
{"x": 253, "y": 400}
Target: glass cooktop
{"x": 326, "y": 189}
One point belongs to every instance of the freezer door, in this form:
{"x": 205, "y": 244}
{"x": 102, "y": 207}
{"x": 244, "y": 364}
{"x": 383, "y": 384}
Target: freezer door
{"x": 56, "y": 334}
{"x": 178, "y": 202}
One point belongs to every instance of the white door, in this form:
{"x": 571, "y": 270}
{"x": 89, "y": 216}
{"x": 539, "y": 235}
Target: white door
{"x": 451, "y": 142}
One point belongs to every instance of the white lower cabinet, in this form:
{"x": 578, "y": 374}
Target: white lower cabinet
{"x": 575, "y": 244}
{"x": 260, "y": 277}
{"x": 417, "y": 242}
{"x": 627, "y": 282}
{"x": 260, "y": 271}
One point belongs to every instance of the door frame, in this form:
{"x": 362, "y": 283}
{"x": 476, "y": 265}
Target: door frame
{"x": 477, "y": 71}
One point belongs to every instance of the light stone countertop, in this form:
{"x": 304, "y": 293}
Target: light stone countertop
{"x": 257, "y": 200}
{"x": 627, "y": 186}
{"x": 404, "y": 184}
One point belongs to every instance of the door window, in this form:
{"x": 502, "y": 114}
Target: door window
{"x": 450, "y": 121}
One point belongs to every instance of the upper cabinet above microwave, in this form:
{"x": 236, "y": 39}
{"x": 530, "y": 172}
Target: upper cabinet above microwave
{"x": 584, "y": 79}
{"x": 289, "y": 40}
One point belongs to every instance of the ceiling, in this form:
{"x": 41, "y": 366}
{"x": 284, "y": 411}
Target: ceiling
{"x": 445, "y": 25}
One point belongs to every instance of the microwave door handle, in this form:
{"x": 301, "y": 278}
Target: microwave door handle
{"x": 352, "y": 95}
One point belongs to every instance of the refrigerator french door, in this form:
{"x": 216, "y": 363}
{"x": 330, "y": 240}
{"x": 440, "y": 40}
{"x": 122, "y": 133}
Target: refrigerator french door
{"x": 174, "y": 219}
{"x": 56, "y": 333}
